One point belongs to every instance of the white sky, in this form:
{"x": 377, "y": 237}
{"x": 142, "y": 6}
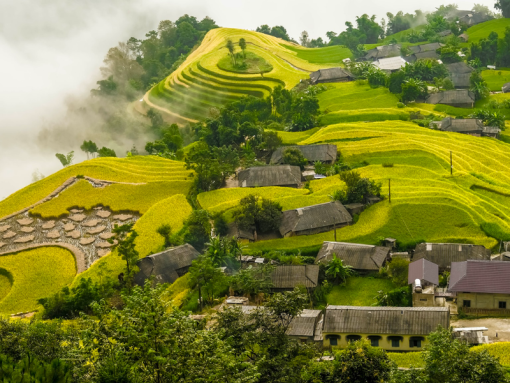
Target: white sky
{"x": 52, "y": 49}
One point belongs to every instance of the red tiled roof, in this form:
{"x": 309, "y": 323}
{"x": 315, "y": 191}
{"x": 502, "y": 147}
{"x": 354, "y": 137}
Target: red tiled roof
{"x": 480, "y": 277}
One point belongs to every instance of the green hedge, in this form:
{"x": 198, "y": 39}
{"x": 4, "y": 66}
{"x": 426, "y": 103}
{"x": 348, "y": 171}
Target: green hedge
{"x": 235, "y": 78}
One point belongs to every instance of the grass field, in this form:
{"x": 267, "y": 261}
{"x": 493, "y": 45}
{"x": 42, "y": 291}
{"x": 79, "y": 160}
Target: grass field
{"x": 358, "y": 291}
{"x": 483, "y": 30}
{"x": 407, "y": 359}
{"x": 496, "y": 79}
{"x": 327, "y": 55}
{"x": 35, "y": 274}
{"x": 5, "y": 283}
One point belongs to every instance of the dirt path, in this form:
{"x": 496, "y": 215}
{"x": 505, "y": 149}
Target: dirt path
{"x": 499, "y": 326}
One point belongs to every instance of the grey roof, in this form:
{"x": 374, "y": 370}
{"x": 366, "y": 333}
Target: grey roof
{"x": 432, "y": 47}
{"x": 383, "y": 51}
{"x": 473, "y": 18}
{"x": 506, "y": 88}
{"x": 330, "y": 75}
{"x": 459, "y": 96}
{"x": 290, "y": 276}
{"x": 281, "y": 175}
{"x": 461, "y": 125}
{"x": 424, "y": 55}
{"x": 443, "y": 254}
{"x": 459, "y": 67}
{"x": 385, "y": 320}
{"x": 460, "y": 73}
{"x": 313, "y": 153}
{"x": 304, "y": 324}
{"x": 491, "y": 130}
{"x": 445, "y": 33}
{"x": 390, "y": 63}
{"x": 424, "y": 271}
{"x": 164, "y": 265}
{"x": 358, "y": 256}
{"x": 490, "y": 277}
{"x": 313, "y": 217}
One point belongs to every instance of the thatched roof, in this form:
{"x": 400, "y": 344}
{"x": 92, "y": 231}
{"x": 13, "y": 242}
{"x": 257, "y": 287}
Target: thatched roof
{"x": 459, "y": 96}
{"x": 313, "y": 217}
{"x": 330, "y": 75}
{"x": 281, "y": 175}
{"x": 460, "y": 73}
{"x": 324, "y": 153}
{"x": 432, "y": 47}
{"x": 424, "y": 271}
{"x": 385, "y": 320}
{"x": 383, "y": 51}
{"x": 390, "y": 63}
{"x": 443, "y": 254}
{"x": 305, "y": 323}
{"x": 164, "y": 266}
{"x": 461, "y": 125}
{"x": 358, "y": 256}
{"x": 424, "y": 55}
{"x": 480, "y": 277}
{"x": 289, "y": 276}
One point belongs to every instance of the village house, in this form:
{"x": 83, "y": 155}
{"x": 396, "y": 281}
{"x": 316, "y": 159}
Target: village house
{"x": 423, "y": 276}
{"x": 166, "y": 266}
{"x": 506, "y": 88}
{"x": 382, "y": 52}
{"x": 390, "y": 64}
{"x": 307, "y": 326}
{"x": 424, "y": 51}
{"x": 390, "y": 328}
{"x": 464, "y": 37}
{"x": 443, "y": 254}
{"x": 330, "y": 75}
{"x": 280, "y": 175}
{"x": 325, "y": 153}
{"x": 362, "y": 258}
{"x": 314, "y": 219}
{"x": 460, "y": 98}
{"x": 288, "y": 277}
{"x": 460, "y": 73}
{"x": 470, "y": 126}
{"x": 481, "y": 285}
{"x": 469, "y": 18}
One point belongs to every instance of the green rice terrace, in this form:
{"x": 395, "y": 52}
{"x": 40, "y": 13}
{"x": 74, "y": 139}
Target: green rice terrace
{"x": 67, "y": 218}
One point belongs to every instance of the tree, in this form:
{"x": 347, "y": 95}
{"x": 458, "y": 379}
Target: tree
{"x": 65, "y": 160}
{"x": 264, "y": 216}
{"x": 264, "y": 29}
{"x": 89, "y": 147}
{"x": 32, "y": 370}
{"x": 337, "y": 270}
{"x": 271, "y": 141}
{"x": 305, "y": 109}
{"x": 203, "y": 272}
{"x": 253, "y": 280}
{"x": 231, "y": 51}
{"x": 503, "y": 58}
{"x": 503, "y": 6}
{"x": 400, "y": 297}
{"x": 222, "y": 251}
{"x": 398, "y": 270}
{"x": 395, "y": 81}
{"x": 358, "y": 189}
{"x": 376, "y": 77}
{"x": 294, "y": 157}
{"x": 106, "y": 152}
{"x": 220, "y": 225}
{"x": 361, "y": 362}
{"x": 490, "y": 117}
{"x": 197, "y": 229}
{"x": 124, "y": 242}
{"x": 449, "y": 54}
{"x": 413, "y": 90}
{"x": 242, "y": 45}
{"x": 165, "y": 231}
{"x": 448, "y": 360}
{"x": 478, "y": 86}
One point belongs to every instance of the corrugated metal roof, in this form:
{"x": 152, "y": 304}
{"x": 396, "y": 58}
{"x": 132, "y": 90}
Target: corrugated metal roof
{"x": 304, "y": 324}
{"x": 390, "y": 63}
{"x": 491, "y": 277}
{"x": 314, "y": 217}
{"x": 164, "y": 265}
{"x": 313, "y": 153}
{"x": 358, "y": 256}
{"x": 279, "y": 175}
{"x": 385, "y": 320}
{"x": 431, "y": 47}
{"x": 423, "y": 270}
{"x": 443, "y": 254}
{"x": 290, "y": 276}
{"x": 383, "y": 51}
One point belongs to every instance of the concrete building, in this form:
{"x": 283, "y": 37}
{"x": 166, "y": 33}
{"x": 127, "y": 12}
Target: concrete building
{"x": 423, "y": 276}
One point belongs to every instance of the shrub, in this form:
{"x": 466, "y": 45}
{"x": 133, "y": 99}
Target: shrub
{"x": 294, "y": 157}
{"x": 401, "y": 105}
{"x": 220, "y": 225}
{"x": 398, "y": 270}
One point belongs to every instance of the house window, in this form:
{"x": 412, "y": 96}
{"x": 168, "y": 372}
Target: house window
{"x": 333, "y": 339}
{"x": 395, "y": 343}
{"x": 502, "y": 305}
{"x": 353, "y": 338}
{"x": 466, "y": 303}
{"x": 415, "y": 341}
{"x": 374, "y": 340}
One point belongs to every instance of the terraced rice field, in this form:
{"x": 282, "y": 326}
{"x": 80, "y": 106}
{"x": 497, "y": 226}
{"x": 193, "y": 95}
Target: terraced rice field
{"x": 198, "y": 85}
{"x": 496, "y": 79}
{"x": 483, "y": 30}
{"x": 326, "y": 55}
{"x": 427, "y": 203}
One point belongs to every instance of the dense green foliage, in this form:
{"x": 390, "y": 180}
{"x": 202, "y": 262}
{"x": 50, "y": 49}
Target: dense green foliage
{"x": 264, "y": 216}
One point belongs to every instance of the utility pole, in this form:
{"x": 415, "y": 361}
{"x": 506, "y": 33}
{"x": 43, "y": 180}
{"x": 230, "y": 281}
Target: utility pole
{"x": 389, "y": 189}
{"x": 451, "y": 163}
